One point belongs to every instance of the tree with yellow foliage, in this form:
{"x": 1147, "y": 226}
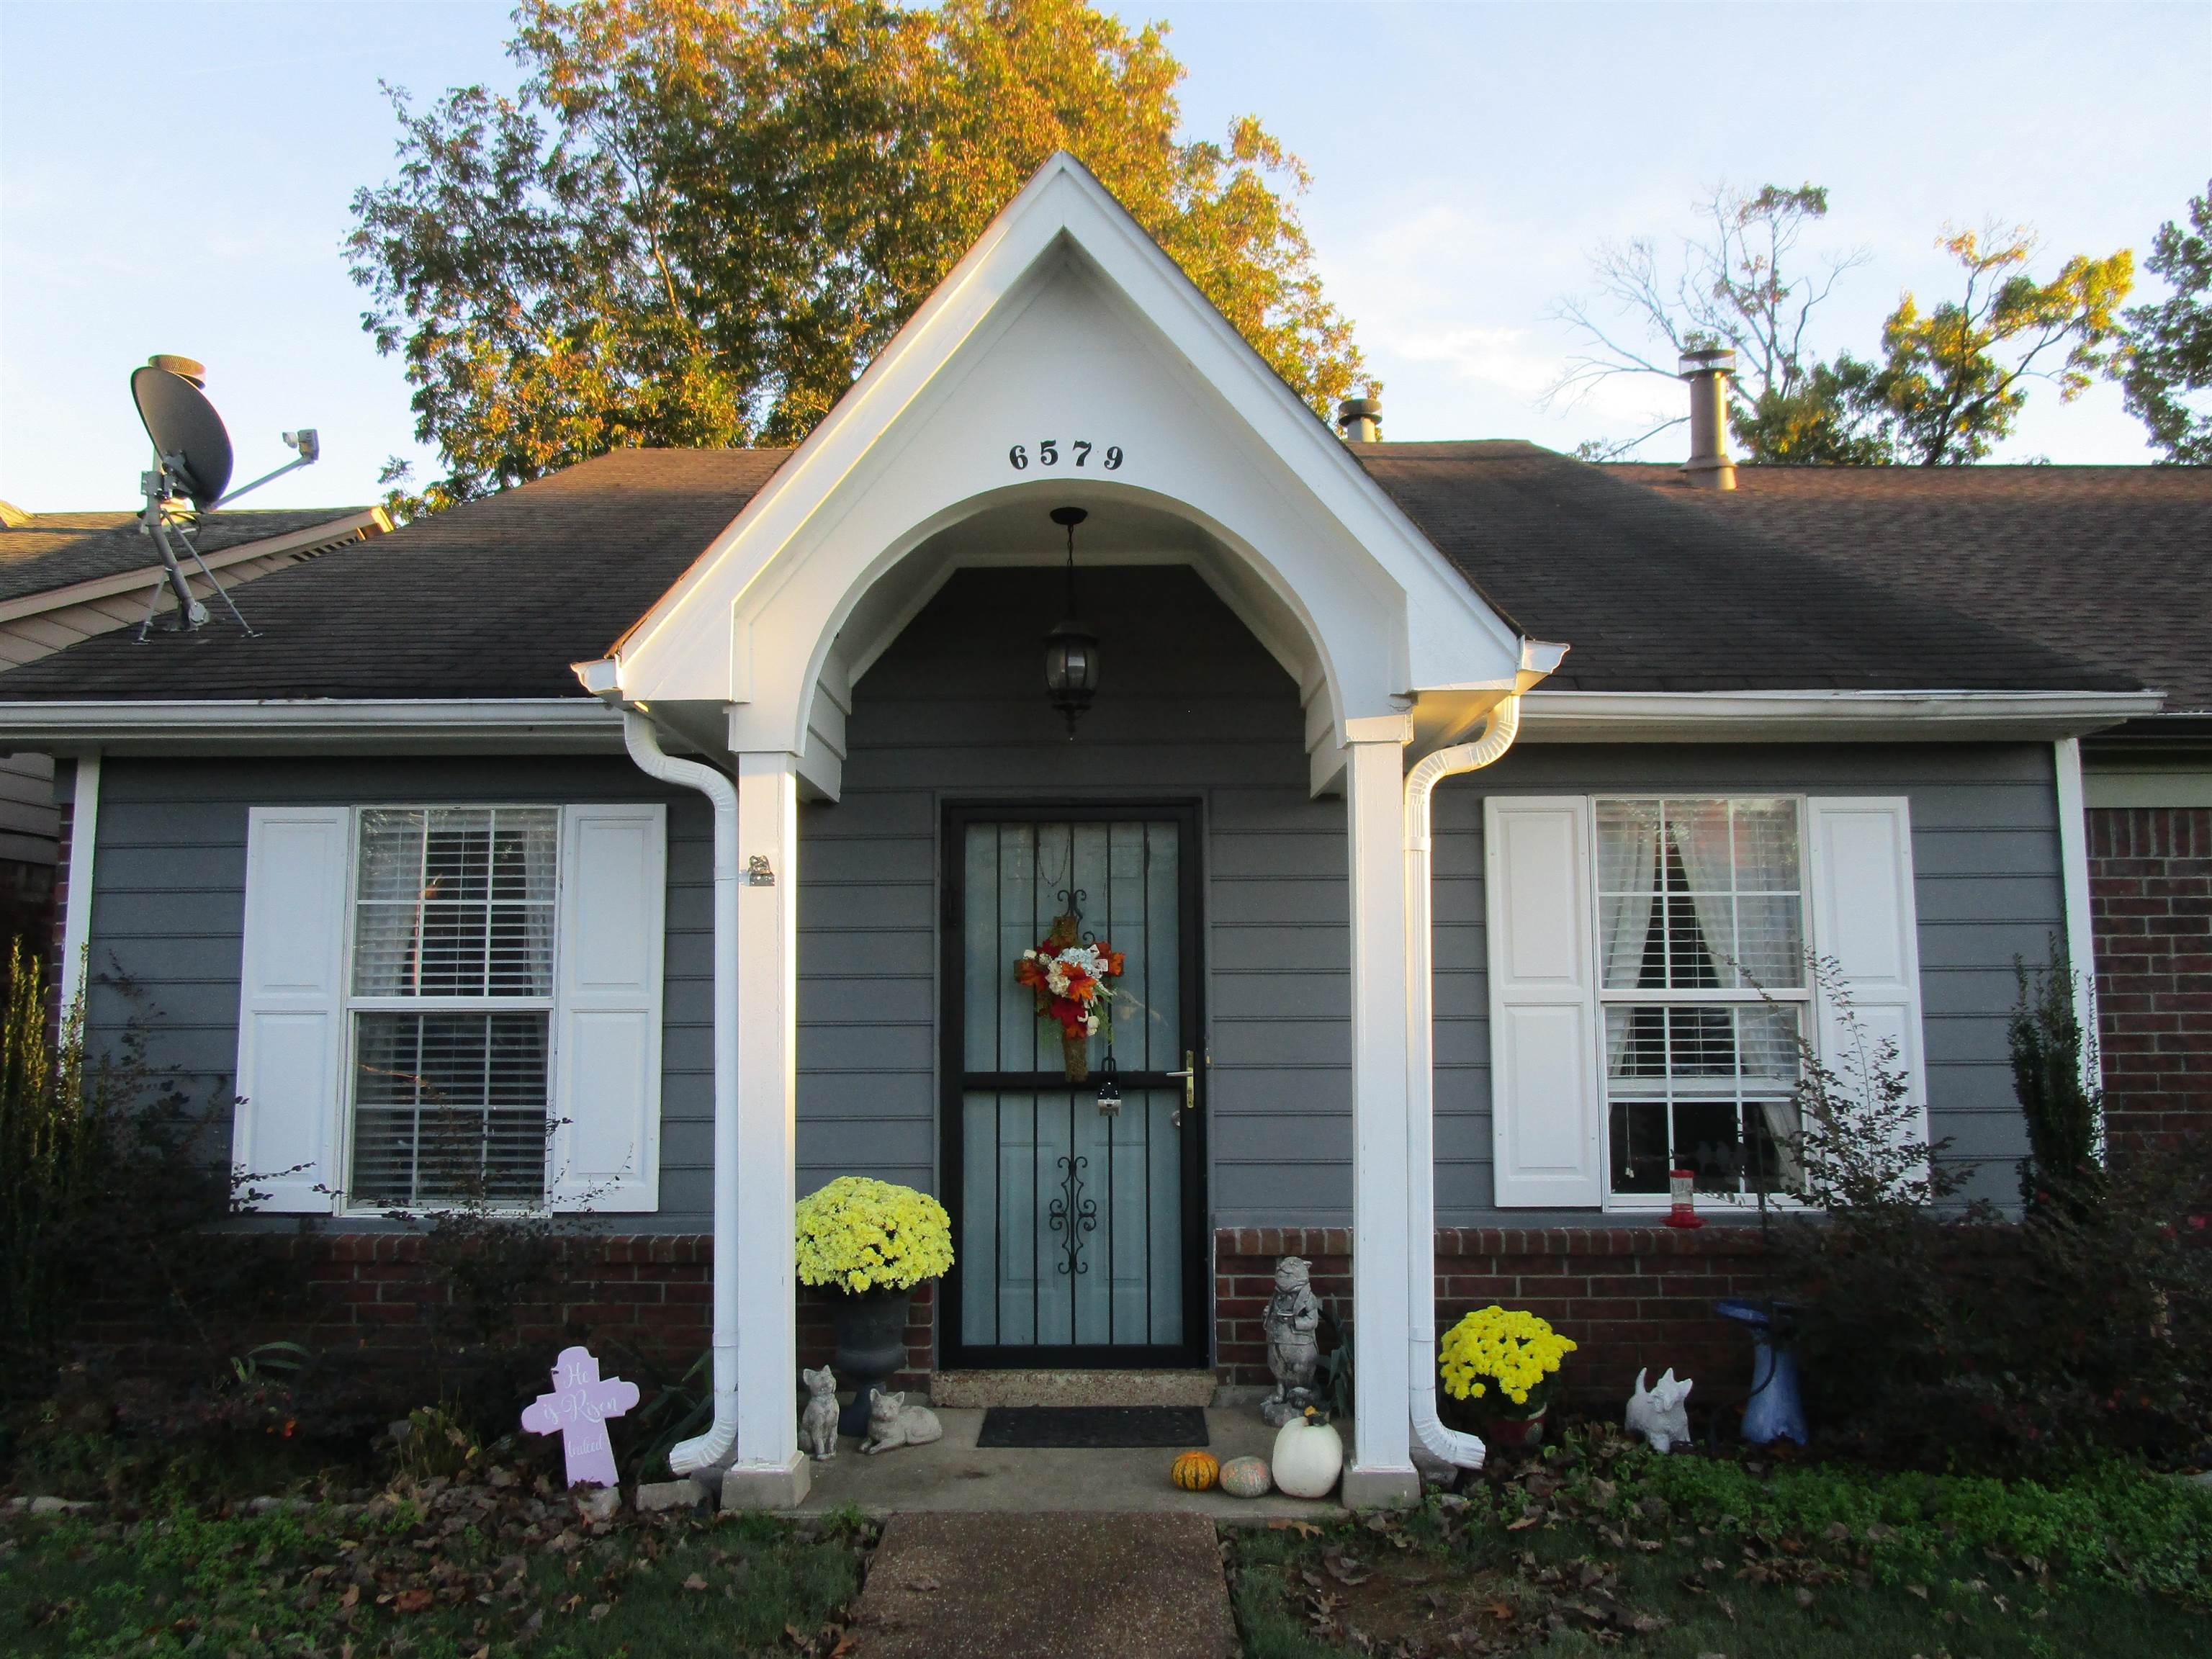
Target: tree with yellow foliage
{"x": 1954, "y": 379}
{"x": 701, "y": 219}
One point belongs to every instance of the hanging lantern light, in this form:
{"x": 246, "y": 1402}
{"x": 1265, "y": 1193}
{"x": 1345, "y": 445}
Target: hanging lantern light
{"x": 1071, "y": 650}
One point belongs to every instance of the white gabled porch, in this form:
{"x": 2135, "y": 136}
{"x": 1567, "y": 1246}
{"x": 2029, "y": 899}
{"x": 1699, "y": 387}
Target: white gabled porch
{"x": 1065, "y": 333}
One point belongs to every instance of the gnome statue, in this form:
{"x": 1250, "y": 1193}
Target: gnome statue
{"x": 1293, "y": 1316}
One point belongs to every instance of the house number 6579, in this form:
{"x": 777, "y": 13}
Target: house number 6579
{"x": 1079, "y": 452}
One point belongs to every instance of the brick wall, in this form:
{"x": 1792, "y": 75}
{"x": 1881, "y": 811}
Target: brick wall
{"x": 1630, "y": 1297}
{"x": 2150, "y": 894}
{"x": 372, "y": 1296}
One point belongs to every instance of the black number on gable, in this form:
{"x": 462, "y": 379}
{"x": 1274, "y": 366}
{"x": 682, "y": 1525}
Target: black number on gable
{"x": 1047, "y": 453}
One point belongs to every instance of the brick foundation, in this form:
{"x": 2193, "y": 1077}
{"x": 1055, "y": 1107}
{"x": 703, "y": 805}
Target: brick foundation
{"x": 2150, "y": 896}
{"x": 1630, "y": 1297}
{"x": 373, "y": 1296}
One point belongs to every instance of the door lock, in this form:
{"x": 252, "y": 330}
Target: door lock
{"x": 1189, "y": 1076}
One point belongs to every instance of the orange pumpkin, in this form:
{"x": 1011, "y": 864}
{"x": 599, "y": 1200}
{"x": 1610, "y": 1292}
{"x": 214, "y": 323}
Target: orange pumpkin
{"x": 1196, "y": 1471}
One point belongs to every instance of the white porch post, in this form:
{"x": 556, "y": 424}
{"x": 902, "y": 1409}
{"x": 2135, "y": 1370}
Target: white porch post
{"x": 1382, "y": 1468}
{"x": 769, "y": 1473}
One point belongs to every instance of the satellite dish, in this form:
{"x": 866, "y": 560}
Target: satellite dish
{"x": 187, "y": 433}
{"x": 191, "y": 462}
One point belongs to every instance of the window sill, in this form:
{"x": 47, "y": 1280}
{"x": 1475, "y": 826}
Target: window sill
{"x": 428, "y": 1212}
{"x": 1732, "y": 1205}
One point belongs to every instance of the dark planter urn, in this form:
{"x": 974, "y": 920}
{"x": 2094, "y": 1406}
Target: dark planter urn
{"x": 871, "y": 1348}
{"x": 1521, "y": 1430}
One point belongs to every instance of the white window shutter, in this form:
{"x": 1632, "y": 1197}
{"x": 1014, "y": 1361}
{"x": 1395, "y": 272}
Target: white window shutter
{"x": 1859, "y": 864}
{"x": 605, "y": 1149}
{"x": 288, "y": 1127}
{"x": 1544, "y": 1100}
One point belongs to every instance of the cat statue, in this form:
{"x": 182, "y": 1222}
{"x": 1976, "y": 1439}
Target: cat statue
{"x": 892, "y": 1423}
{"x": 1660, "y": 1414}
{"x": 817, "y": 1428}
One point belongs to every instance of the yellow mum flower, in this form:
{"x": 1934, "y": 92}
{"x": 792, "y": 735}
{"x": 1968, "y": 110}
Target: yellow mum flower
{"x": 1509, "y": 1348}
{"x": 861, "y": 1235}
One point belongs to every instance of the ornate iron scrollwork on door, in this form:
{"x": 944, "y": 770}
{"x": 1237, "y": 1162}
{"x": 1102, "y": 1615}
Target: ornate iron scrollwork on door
{"x": 1072, "y": 1214}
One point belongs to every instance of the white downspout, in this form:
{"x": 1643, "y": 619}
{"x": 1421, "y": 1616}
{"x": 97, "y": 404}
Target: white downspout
{"x": 1464, "y": 1450}
{"x": 704, "y": 1451}
{"x": 76, "y": 909}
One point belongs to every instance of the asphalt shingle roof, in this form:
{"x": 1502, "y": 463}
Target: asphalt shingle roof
{"x": 59, "y": 550}
{"x": 2109, "y": 565}
{"x": 1655, "y": 593}
{"x": 1879, "y": 579}
{"x": 492, "y": 600}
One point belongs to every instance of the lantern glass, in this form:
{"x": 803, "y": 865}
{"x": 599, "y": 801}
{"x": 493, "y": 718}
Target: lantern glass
{"x": 1071, "y": 661}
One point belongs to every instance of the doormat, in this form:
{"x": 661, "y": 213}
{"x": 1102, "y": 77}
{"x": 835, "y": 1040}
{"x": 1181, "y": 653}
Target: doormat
{"x": 1100, "y": 1427}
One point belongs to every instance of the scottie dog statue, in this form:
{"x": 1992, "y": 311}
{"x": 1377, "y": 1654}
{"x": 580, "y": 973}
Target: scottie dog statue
{"x": 1661, "y": 1414}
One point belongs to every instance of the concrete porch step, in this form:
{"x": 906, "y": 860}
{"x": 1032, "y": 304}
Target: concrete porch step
{"x": 987, "y": 1389}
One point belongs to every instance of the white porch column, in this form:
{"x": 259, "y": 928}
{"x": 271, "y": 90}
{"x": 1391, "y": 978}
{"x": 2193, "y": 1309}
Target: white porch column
{"x": 769, "y": 1473}
{"x": 1382, "y": 1468}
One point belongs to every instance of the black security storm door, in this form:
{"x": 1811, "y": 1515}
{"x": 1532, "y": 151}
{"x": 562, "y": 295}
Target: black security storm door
{"x": 1078, "y": 1228}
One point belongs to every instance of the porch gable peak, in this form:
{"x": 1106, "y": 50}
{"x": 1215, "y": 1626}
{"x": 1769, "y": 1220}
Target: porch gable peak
{"x": 1065, "y": 359}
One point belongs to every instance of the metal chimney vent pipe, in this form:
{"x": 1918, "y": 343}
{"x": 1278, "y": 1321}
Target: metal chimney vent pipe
{"x": 1360, "y": 419}
{"x": 1707, "y": 370}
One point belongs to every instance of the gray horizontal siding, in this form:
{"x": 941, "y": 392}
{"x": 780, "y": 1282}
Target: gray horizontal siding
{"x": 1985, "y": 882}
{"x": 169, "y": 904}
{"x": 1189, "y": 708}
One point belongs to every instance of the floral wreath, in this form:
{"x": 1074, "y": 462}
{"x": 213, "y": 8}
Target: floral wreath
{"x": 1069, "y": 976}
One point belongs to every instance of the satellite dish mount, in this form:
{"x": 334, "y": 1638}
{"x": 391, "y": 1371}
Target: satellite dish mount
{"x": 190, "y": 476}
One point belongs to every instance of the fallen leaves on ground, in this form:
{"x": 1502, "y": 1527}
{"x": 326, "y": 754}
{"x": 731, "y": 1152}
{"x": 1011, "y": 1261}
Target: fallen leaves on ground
{"x": 378, "y": 1574}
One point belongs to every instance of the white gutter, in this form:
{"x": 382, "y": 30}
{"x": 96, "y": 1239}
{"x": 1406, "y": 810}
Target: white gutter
{"x": 557, "y": 725}
{"x": 1937, "y": 715}
{"x": 703, "y": 1451}
{"x": 77, "y": 915}
{"x": 1465, "y": 1450}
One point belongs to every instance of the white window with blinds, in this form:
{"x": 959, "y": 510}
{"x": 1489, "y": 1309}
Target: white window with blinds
{"x": 1702, "y": 988}
{"x": 444, "y": 1004}
{"x": 451, "y": 1005}
{"x": 1649, "y": 986}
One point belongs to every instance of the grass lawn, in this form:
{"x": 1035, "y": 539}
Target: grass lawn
{"x": 438, "y": 1571}
{"x": 1621, "y": 1552}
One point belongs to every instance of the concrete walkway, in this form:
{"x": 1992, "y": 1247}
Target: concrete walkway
{"x": 954, "y": 1476}
{"x": 1046, "y": 1587}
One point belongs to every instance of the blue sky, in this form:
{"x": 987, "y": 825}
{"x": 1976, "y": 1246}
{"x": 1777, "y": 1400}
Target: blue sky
{"x": 176, "y": 178}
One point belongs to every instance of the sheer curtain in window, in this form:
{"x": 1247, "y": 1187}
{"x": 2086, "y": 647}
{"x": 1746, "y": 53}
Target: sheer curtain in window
{"x": 1628, "y": 886}
{"x": 1698, "y": 832}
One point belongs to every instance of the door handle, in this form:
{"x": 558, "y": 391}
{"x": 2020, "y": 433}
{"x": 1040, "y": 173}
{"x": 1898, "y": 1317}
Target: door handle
{"x": 1189, "y": 1076}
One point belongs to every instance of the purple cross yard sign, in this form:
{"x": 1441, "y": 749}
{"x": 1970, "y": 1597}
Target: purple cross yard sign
{"x": 577, "y": 1410}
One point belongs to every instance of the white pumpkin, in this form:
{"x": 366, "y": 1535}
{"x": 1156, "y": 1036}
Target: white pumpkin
{"x": 1309, "y": 1456}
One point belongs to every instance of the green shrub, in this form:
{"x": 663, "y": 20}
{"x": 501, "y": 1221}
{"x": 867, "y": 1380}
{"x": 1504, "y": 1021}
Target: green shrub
{"x": 111, "y": 1198}
{"x": 1952, "y": 1338}
{"x": 2049, "y": 1052}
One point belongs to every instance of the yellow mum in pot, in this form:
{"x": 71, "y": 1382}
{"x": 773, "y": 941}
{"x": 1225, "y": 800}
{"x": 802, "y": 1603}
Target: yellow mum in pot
{"x": 1516, "y": 1353}
{"x": 860, "y": 1235}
